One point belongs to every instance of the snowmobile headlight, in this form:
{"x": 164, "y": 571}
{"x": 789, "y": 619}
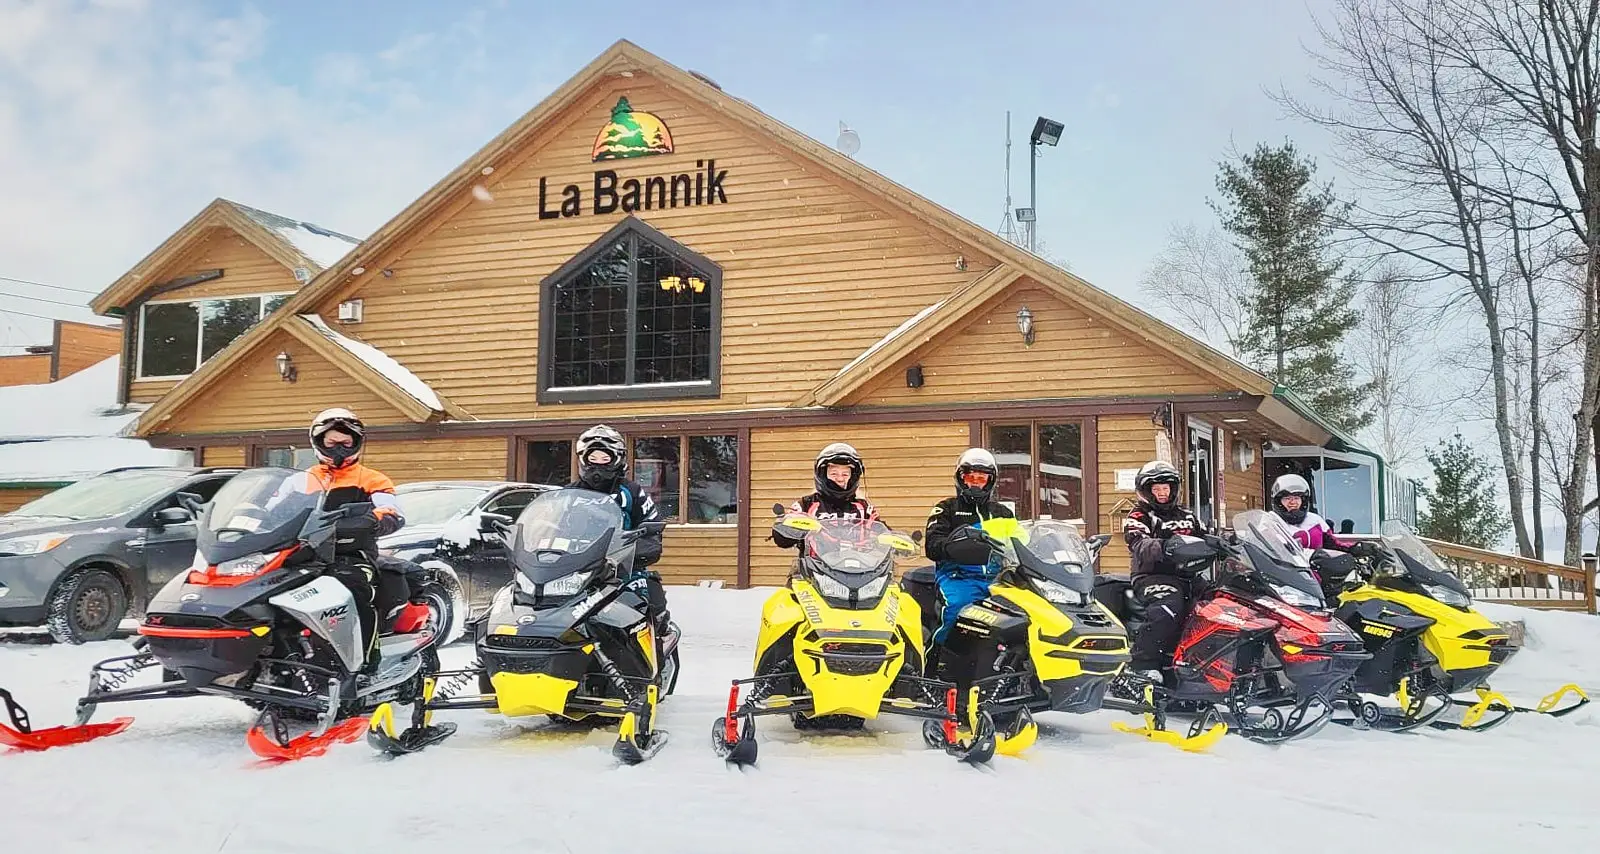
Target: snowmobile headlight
{"x": 872, "y": 589}
{"x": 831, "y": 588}
{"x": 1296, "y": 597}
{"x": 1060, "y": 594}
{"x": 567, "y": 585}
{"x": 247, "y": 565}
{"x": 32, "y": 545}
{"x": 1448, "y": 596}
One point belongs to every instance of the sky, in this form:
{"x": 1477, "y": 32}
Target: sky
{"x": 120, "y": 119}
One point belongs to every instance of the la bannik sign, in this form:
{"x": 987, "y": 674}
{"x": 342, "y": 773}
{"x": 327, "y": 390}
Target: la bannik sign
{"x": 633, "y": 133}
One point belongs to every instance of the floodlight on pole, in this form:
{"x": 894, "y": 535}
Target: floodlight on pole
{"x": 1048, "y": 132}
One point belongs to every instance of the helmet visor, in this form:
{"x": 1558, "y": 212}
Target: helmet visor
{"x": 976, "y": 479}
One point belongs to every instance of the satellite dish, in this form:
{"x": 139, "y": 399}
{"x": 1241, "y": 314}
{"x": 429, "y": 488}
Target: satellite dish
{"x": 849, "y": 141}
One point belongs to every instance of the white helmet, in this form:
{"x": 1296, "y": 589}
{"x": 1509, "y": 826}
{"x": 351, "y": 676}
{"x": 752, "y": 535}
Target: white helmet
{"x": 972, "y": 461}
{"x": 344, "y": 421}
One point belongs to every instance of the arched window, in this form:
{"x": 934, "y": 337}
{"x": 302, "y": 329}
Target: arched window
{"x": 634, "y": 316}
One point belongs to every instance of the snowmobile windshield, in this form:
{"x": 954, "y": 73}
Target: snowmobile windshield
{"x": 1053, "y": 556}
{"x": 1278, "y": 558}
{"x": 1421, "y": 563}
{"x": 566, "y": 532}
{"x": 256, "y": 511}
{"x": 851, "y": 560}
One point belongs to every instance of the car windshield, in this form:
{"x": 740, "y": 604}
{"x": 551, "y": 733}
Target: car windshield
{"x": 436, "y": 505}
{"x": 1269, "y": 533}
{"x": 110, "y": 494}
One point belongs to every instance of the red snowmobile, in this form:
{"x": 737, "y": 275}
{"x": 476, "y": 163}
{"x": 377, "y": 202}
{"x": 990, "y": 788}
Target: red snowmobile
{"x": 1260, "y": 650}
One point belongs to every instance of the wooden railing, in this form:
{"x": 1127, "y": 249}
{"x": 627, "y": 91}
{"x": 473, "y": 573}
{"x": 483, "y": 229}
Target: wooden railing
{"x": 1512, "y": 580}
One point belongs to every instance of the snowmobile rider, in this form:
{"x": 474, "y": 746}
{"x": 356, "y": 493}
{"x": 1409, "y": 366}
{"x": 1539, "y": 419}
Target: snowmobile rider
{"x": 1166, "y": 596}
{"x": 602, "y": 467}
{"x": 837, "y": 474}
{"x": 1291, "y": 500}
{"x": 337, "y": 437}
{"x": 960, "y": 585}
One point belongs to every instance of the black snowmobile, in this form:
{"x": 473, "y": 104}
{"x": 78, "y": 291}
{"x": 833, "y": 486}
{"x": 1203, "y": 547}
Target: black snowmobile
{"x": 567, "y": 639}
{"x": 256, "y": 619}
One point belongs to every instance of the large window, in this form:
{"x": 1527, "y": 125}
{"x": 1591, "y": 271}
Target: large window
{"x": 633, "y": 316}
{"x": 289, "y": 458}
{"x": 175, "y": 338}
{"x": 1041, "y": 468}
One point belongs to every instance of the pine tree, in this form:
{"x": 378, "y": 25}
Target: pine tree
{"x": 1462, "y": 505}
{"x": 1298, "y": 311}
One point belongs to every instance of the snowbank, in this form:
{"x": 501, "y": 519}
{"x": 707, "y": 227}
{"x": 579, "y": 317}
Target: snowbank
{"x": 83, "y": 404}
{"x": 64, "y": 460}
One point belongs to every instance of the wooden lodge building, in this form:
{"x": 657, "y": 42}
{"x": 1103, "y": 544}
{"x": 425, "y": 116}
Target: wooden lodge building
{"x": 646, "y": 250}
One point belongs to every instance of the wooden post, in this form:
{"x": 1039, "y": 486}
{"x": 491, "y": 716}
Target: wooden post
{"x": 1590, "y": 563}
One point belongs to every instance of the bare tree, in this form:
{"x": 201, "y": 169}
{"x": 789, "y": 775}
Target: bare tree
{"x": 1201, "y": 281}
{"x": 1540, "y": 62}
{"x": 1391, "y": 347}
{"x": 1412, "y": 132}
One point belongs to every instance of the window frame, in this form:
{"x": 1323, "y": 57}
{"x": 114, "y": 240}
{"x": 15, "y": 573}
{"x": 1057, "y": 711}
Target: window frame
{"x": 1036, "y": 454}
{"x": 200, "y": 339}
{"x": 637, "y": 228}
{"x": 683, "y": 474}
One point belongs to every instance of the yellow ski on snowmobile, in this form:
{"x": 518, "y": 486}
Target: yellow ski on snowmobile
{"x": 1427, "y": 642}
{"x": 840, "y": 644}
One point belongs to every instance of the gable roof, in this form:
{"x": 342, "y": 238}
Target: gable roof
{"x": 626, "y": 58}
{"x": 374, "y": 369}
{"x": 289, "y": 242}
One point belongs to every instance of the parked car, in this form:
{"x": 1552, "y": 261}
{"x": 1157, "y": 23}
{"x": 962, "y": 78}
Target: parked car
{"x": 444, "y": 529}
{"x": 82, "y": 558}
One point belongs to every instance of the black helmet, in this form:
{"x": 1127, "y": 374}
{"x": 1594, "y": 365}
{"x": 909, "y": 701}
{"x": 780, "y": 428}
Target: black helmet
{"x": 1154, "y": 472}
{"x": 842, "y": 454}
{"x": 345, "y": 421}
{"x": 606, "y": 476}
{"x": 1291, "y": 484}
{"x": 973, "y": 461}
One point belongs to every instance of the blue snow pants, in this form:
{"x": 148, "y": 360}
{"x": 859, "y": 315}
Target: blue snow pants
{"x": 959, "y": 586}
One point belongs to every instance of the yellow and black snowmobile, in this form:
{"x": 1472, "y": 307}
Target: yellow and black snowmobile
{"x": 567, "y": 639}
{"x": 841, "y": 644}
{"x": 1426, "y": 640}
{"x": 1040, "y": 641}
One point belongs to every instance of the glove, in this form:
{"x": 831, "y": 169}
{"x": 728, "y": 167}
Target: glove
{"x": 363, "y": 524}
{"x": 1365, "y": 549}
{"x": 639, "y": 583}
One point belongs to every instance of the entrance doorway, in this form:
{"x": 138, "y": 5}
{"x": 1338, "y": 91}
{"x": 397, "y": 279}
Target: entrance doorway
{"x": 1203, "y": 471}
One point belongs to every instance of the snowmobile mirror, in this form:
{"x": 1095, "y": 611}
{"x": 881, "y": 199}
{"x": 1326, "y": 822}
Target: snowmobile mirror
{"x": 777, "y": 509}
{"x": 168, "y": 516}
{"x": 494, "y": 523}
{"x": 1098, "y": 541}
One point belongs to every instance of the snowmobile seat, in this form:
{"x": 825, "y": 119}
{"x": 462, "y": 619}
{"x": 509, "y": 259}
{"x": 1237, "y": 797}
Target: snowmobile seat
{"x": 1115, "y": 591}
{"x": 397, "y": 582}
{"x": 923, "y": 588}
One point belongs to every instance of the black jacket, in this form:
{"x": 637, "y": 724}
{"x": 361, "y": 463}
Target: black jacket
{"x": 1146, "y": 525}
{"x": 953, "y": 513}
{"x": 639, "y": 509}
{"x": 822, "y": 507}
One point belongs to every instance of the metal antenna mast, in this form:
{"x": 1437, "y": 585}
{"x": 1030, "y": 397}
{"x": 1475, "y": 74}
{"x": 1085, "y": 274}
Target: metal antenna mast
{"x": 1008, "y": 227}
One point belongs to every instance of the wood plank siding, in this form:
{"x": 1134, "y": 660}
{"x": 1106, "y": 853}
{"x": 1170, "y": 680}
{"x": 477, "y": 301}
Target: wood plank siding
{"x": 223, "y": 455}
{"x": 246, "y": 271}
{"x": 13, "y": 497}
{"x": 692, "y": 553}
{"x": 1123, "y": 442}
{"x": 255, "y": 397}
{"x": 24, "y": 369}
{"x": 83, "y": 345}
{"x": 909, "y": 469}
{"x": 1073, "y": 355}
{"x": 437, "y": 459}
{"x": 806, "y": 264}
{"x": 1241, "y": 490}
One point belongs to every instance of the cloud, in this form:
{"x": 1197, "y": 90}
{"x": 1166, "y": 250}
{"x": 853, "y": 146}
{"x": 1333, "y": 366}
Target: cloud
{"x": 120, "y": 119}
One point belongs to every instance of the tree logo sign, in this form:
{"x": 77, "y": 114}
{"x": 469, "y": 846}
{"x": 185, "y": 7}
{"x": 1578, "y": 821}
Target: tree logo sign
{"x": 631, "y": 133}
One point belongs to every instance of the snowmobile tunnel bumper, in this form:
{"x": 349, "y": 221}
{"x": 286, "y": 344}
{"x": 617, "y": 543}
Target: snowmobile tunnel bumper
{"x": 204, "y": 654}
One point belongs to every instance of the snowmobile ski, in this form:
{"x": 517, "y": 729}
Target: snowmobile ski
{"x": 1414, "y": 712}
{"x": 422, "y": 733}
{"x": 1550, "y": 704}
{"x": 21, "y": 735}
{"x": 269, "y": 738}
{"x": 1473, "y": 720}
{"x": 1204, "y": 731}
{"x": 637, "y": 737}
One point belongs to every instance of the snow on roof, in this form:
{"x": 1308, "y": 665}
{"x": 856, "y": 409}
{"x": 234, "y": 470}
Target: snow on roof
{"x": 382, "y": 363}
{"x": 83, "y": 404}
{"x": 322, "y": 245}
{"x": 884, "y": 341}
{"x": 58, "y": 460}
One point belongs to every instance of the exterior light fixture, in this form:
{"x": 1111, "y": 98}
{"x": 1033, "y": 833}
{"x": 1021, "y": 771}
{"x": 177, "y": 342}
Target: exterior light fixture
{"x": 1025, "y": 325}
{"x": 914, "y": 376}
{"x": 286, "y": 370}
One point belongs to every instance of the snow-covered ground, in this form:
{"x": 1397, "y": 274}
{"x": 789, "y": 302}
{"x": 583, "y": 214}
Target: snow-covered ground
{"x": 182, "y": 780}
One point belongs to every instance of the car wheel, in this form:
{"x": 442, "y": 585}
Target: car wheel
{"x": 88, "y": 606}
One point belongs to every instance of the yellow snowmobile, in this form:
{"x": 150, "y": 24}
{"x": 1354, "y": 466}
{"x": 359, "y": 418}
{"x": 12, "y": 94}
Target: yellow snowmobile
{"x": 1427, "y": 642}
{"x": 1040, "y": 641}
{"x": 565, "y": 640}
{"x": 841, "y": 644}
